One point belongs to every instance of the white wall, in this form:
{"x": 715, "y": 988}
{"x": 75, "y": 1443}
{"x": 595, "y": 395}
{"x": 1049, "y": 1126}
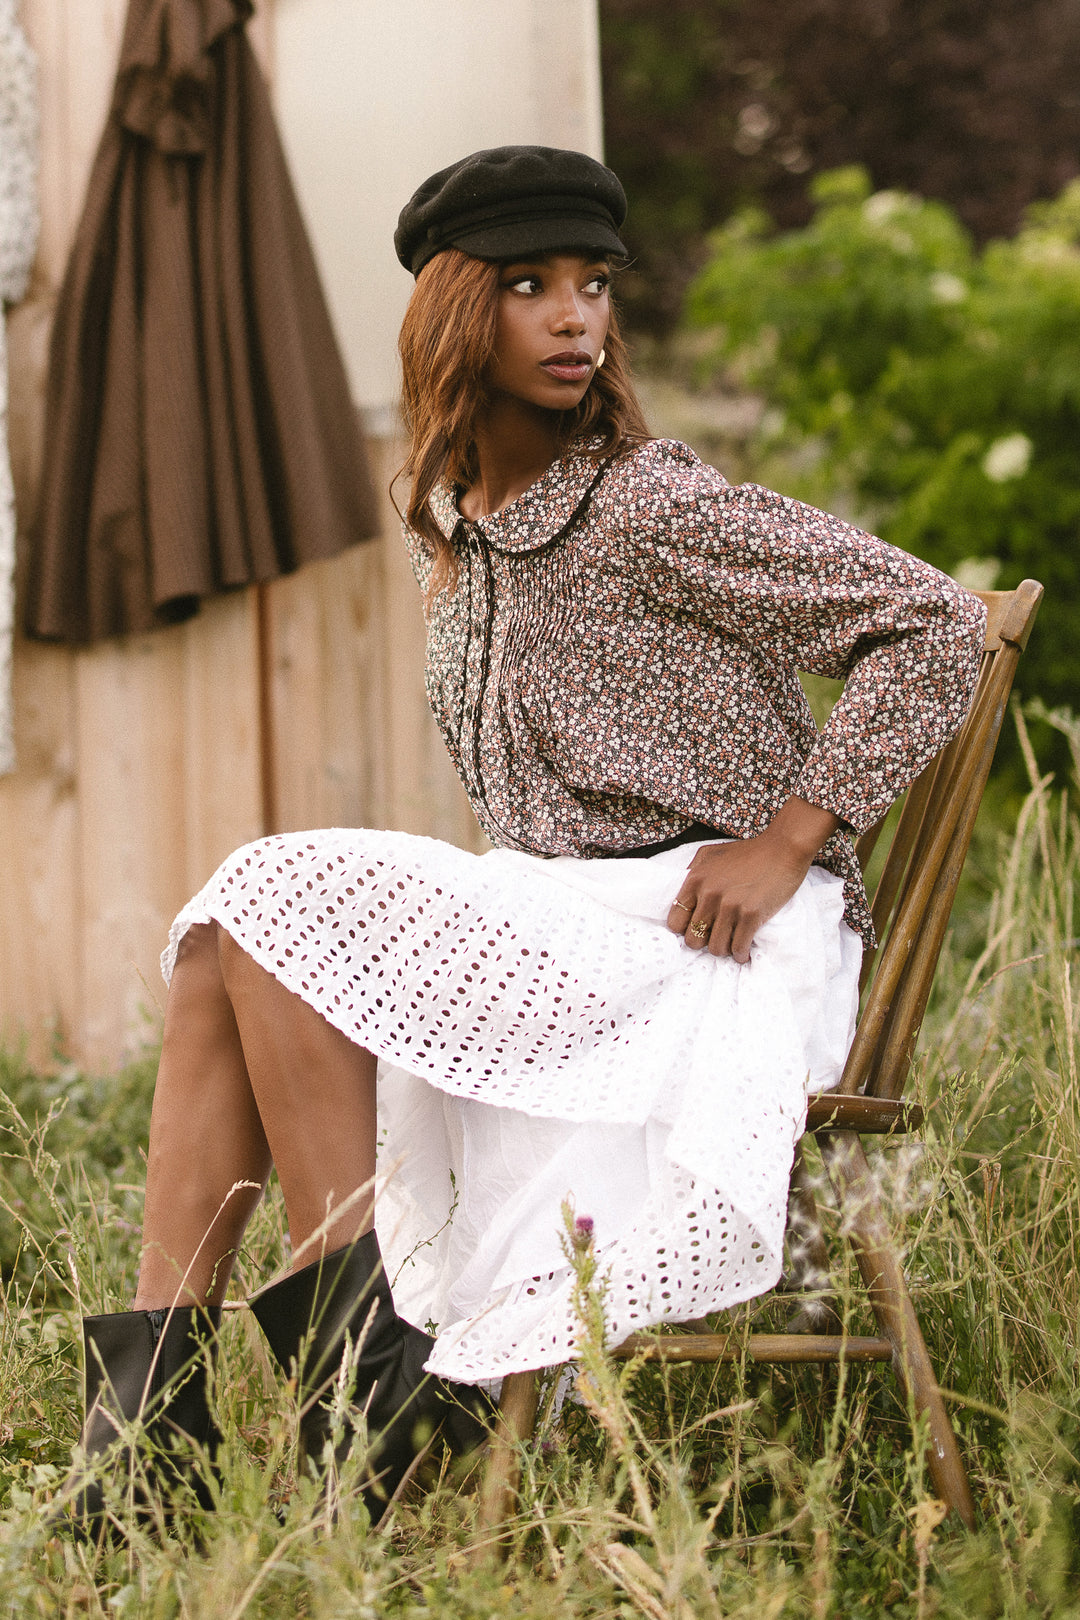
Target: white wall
{"x": 375, "y": 95}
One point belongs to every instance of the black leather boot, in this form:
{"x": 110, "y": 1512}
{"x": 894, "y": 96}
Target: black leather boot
{"x": 307, "y": 1318}
{"x": 148, "y": 1367}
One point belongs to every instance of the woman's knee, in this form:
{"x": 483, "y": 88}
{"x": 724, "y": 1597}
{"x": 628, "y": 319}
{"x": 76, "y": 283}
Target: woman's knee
{"x": 209, "y": 965}
{"x": 197, "y": 950}
{"x": 196, "y": 987}
{"x": 209, "y": 946}
{"x": 232, "y": 958}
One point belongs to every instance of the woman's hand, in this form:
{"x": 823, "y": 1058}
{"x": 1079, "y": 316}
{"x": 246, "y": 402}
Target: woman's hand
{"x": 732, "y": 889}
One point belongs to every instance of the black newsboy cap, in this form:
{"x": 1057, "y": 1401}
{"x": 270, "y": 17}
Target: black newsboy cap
{"x": 513, "y": 200}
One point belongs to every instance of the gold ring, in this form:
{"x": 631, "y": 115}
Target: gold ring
{"x": 682, "y": 905}
{"x": 701, "y": 930}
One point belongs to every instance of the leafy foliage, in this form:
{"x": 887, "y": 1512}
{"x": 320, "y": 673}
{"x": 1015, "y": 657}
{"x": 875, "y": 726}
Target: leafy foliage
{"x": 930, "y": 389}
{"x": 711, "y": 104}
{"x": 54, "y": 1127}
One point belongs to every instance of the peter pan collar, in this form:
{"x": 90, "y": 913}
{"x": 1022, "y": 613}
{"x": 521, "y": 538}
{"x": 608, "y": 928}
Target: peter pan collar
{"x": 538, "y": 513}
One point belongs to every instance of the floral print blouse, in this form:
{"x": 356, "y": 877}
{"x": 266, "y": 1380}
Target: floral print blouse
{"x": 618, "y": 659}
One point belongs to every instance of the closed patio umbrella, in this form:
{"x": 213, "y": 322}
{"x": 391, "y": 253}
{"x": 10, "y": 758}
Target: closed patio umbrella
{"x": 199, "y": 429}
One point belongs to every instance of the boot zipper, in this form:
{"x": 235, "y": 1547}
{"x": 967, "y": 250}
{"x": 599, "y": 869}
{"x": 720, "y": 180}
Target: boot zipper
{"x": 156, "y": 1320}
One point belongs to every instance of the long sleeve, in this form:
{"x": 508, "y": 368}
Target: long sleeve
{"x": 797, "y": 588}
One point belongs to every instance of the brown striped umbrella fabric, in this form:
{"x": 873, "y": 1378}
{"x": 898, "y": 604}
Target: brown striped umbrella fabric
{"x": 200, "y": 434}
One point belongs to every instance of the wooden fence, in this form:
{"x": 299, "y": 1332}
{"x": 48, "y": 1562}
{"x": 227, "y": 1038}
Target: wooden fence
{"x": 143, "y": 761}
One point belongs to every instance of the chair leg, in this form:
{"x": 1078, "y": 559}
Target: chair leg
{"x": 808, "y": 1257}
{"x": 883, "y": 1275}
{"x": 502, "y": 1471}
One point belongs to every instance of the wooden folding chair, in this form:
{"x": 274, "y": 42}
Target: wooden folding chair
{"x": 911, "y": 906}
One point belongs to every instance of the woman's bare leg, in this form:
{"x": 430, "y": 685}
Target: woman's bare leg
{"x": 315, "y": 1092}
{"x": 205, "y": 1138}
{"x": 249, "y": 1075}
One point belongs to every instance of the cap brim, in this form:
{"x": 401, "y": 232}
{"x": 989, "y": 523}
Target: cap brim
{"x": 554, "y": 235}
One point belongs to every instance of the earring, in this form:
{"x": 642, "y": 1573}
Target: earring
{"x": 601, "y": 357}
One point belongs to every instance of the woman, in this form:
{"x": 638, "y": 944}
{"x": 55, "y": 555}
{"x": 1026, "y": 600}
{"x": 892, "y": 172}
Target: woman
{"x": 626, "y": 1002}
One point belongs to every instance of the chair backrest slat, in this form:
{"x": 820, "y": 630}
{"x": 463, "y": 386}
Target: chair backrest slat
{"x": 908, "y": 1004}
{"x": 914, "y": 895}
{"x": 898, "y": 859}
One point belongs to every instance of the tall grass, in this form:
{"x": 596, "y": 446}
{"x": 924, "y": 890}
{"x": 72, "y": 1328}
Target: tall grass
{"x": 655, "y": 1491}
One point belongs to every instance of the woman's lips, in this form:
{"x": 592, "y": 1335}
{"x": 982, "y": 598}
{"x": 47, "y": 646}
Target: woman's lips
{"x": 572, "y": 366}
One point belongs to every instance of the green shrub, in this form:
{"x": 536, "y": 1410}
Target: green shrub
{"x": 928, "y": 390}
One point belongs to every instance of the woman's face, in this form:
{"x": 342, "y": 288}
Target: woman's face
{"x": 551, "y": 325}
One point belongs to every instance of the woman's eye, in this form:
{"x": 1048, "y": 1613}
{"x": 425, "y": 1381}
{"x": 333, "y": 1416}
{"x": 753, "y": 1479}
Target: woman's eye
{"x": 597, "y": 284}
{"x": 526, "y": 284}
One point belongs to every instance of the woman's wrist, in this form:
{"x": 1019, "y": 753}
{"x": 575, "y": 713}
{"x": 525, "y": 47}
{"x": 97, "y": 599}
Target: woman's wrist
{"x": 803, "y": 828}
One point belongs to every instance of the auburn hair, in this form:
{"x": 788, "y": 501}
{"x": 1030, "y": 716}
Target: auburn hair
{"x": 447, "y": 341}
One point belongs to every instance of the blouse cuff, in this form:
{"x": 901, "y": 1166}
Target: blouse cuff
{"x": 817, "y": 784}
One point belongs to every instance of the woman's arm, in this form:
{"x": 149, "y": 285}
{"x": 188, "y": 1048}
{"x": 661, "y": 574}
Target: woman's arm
{"x": 798, "y": 589}
{"x": 732, "y": 889}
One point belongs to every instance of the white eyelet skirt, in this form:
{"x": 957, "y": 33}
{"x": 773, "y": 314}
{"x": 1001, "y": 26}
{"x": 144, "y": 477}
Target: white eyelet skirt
{"x": 542, "y": 1036}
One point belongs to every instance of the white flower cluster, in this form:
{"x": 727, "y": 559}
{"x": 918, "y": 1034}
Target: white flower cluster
{"x": 1008, "y": 457}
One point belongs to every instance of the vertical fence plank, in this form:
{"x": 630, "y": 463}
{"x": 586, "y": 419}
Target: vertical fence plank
{"x": 42, "y": 994}
{"x": 168, "y": 784}
{"x": 130, "y": 765}
{"x": 40, "y": 987}
{"x": 353, "y": 742}
{"x": 221, "y": 786}
{"x": 40, "y": 984}
{"x": 323, "y": 627}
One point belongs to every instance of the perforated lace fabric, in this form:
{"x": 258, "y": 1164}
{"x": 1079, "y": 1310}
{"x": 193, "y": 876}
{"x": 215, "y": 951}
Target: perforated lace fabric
{"x": 542, "y": 1035}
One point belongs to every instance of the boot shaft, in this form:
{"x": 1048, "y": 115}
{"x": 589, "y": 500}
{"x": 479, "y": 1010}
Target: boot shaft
{"x": 149, "y": 1366}
{"x": 151, "y": 1369}
{"x": 312, "y": 1319}
{"x": 310, "y": 1315}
